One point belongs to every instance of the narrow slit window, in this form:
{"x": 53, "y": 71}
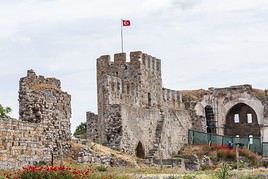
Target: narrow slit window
{"x": 249, "y": 118}
{"x": 236, "y": 118}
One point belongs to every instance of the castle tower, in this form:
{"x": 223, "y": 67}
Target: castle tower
{"x": 135, "y": 83}
{"x": 41, "y": 100}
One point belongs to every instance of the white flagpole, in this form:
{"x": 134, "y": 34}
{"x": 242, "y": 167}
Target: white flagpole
{"x": 122, "y": 42}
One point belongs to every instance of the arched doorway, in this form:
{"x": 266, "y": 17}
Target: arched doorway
{"x": 140, "y": 151}
{"x": 241, "y": 120}
{"x": 211, "y": 123}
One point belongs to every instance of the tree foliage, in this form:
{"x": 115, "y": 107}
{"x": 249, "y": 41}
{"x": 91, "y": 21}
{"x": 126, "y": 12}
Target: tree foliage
{"x": 4, "y": 111}
{"x": 81, "y": 130}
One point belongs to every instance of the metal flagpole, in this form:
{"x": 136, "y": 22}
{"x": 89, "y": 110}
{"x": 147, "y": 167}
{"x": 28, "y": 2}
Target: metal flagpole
{"x": 122, "y": 43}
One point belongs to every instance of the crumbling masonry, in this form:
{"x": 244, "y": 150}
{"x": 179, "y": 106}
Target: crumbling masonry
{"x": 44, "y": 125}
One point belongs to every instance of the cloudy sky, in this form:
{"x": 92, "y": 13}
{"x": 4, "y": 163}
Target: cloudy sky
{"x": 202, "y": 43}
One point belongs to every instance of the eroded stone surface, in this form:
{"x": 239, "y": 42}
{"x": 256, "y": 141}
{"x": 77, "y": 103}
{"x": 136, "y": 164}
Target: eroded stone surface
{"x": 44, "y": 125}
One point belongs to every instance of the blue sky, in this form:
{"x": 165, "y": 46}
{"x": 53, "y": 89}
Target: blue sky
{"x": 202, "y": 43}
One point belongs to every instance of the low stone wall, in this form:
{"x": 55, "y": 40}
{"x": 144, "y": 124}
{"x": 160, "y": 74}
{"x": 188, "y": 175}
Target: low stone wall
{"x": 22, "y": 143}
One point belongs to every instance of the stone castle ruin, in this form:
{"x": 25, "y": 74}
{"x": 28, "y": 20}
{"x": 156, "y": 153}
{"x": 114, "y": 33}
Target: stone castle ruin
{"x": 43, "y": 128}
{"x": 136, "y": 114}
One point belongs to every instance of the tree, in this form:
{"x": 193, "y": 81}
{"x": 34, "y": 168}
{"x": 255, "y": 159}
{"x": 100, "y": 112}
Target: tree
{"x": 4, "y": 111}
{"x": 81, "y": 130}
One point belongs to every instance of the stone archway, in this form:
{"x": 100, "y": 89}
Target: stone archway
{"x": 140, "y": 151}
{"x": 242, "y": 121}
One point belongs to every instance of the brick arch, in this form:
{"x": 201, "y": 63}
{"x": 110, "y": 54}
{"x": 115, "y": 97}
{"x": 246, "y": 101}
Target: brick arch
{"x": 241, "y": 128}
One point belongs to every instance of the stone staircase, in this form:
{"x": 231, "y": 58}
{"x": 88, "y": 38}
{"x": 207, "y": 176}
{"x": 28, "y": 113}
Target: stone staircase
{"x": 151, "y": 154}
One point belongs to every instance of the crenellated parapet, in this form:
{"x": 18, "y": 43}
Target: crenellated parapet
{"x": 134, "y": 81}
{"x": 172, "y": 98}
{"x": 120, "y": 64}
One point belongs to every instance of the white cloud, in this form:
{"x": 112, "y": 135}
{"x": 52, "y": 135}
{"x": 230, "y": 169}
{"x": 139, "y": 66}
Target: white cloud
{"x": 201, "y": 43}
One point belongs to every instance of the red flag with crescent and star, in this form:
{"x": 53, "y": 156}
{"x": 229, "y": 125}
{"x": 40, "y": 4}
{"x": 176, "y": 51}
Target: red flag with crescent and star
{"x": 126, "y": 22}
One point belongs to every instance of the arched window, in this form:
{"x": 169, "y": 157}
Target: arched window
{"x": 241, "y": 119}
{"x": 249, "y": 118}
{"x": 236, "y": 118}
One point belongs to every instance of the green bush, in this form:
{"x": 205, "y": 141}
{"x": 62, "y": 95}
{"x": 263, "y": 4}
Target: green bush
{"x": 101, "y": 168}
{"x": 4, "y": 111}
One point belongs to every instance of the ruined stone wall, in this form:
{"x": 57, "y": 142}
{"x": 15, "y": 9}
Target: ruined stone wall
{"x": 175, "y": 132}
{"x": 22, "y": 143}
{"x": 171, "y": 99}
{"x": 92, "y": 127}
{"x": 222, "y": 100}
{"x": 42, "y": 100}
{"x": 139, "y": 125}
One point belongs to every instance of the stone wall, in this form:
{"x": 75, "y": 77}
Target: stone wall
{"x": 92, "y": 127}
{"x": 42, "y": 100}
{"x": 44, "y": 125}
{"x": 22, "y": 143}
{"x": 222, "y": 100}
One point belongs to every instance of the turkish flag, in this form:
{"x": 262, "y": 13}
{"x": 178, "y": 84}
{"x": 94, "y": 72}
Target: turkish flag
{"x": 126, "y": 22}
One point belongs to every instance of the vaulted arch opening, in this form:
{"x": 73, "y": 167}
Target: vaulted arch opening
{"x": 241, "y": 120}
{"x": 210, "y": 118}
{"x": 140, "y": 151}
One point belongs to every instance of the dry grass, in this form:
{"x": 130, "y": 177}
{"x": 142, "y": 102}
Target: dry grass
{"x": 100, "y": 149}
{"x": 195, "y": 149}
{"x": 259, "y": 93}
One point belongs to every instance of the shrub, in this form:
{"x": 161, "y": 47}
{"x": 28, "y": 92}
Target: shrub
{"x": 254, "y": 158}
{"x": 4, "y": 111}
{"x": 224, "y": 172}
{"x": 101, "y": 168}
{"x": 226, "y": 154}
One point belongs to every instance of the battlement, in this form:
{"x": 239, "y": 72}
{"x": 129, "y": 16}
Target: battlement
{"x": 171, "y": 98}
{"x": 137, "y": 60}
{"x": 151, "y": 63}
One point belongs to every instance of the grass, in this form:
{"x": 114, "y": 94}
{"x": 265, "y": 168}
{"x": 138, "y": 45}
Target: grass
{"x": 129, "y": 173}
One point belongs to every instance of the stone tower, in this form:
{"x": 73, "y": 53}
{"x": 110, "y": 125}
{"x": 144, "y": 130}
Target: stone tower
{"x": 41, "y": 100}
{"x": 135, "y": 113}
